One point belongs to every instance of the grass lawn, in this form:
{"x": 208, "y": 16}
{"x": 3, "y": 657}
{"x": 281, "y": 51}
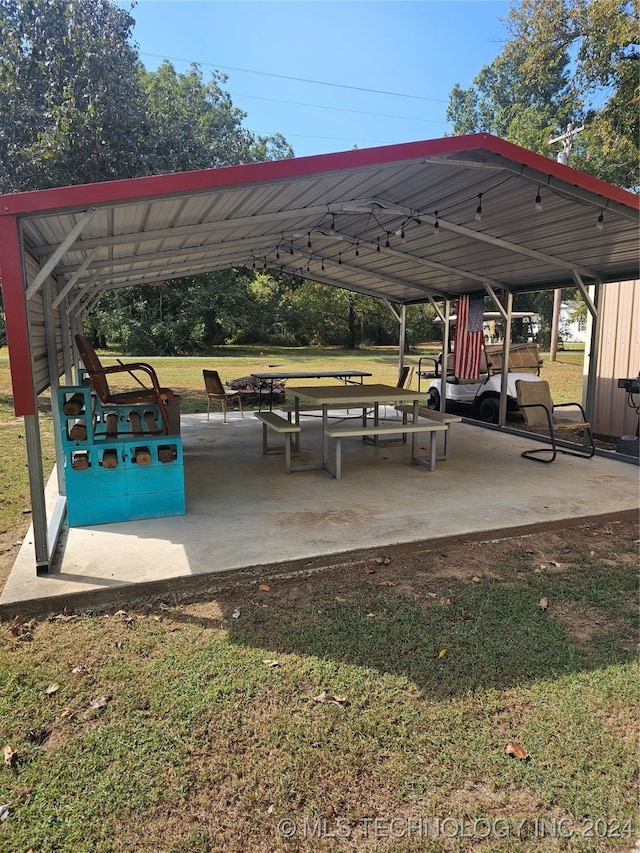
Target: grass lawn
{"x": 364, "y": 708}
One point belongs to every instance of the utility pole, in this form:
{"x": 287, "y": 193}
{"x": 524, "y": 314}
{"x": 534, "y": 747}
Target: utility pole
{"x": 563, "y": 157}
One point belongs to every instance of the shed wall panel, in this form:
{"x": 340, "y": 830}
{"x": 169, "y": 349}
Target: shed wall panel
{"x": 618, "y": 358}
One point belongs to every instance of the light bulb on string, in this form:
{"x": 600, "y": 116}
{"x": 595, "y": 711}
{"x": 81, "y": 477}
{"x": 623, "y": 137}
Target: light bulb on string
{"x": 291, "y": 248}
{"x": 357, "y": 248}
{"x": 278, "y": 252}
{"x": 538, "y": 200}
{"x": 378, "y": 245}
{"x": 264, "y": 266}
{"x": 479, "y": 208}
{"x": 322, "y": 265}
{"x": 403, "y": 239}
{"x": 436, "y": 225}
{"x": 339, "y": 257}
{"x": 332, "y": 227}
{"x": 600, "y": 222}
{"x": 387, "y": 245}
{"x": 309, "y": 240}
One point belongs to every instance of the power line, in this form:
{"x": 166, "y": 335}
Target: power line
{"x": 337, "y": 109}
{"x": 296, "y": 79}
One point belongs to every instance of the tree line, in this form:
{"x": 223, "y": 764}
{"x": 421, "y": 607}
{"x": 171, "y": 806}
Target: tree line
{"x": 77, "y": 106}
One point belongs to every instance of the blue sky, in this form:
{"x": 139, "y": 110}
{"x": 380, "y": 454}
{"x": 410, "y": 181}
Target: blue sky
{"x": 334, "y": 74}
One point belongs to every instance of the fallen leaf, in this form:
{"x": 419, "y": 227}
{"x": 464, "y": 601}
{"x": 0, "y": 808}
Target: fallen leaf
{"x": 432, "y": 594}
{"x": 4, "y": 810}
{"x": 120, "y": 613}
{"x": 592, "y": 553}
{"x": 10, "y": 755}
{"x": 444, "y": 601}
{"x": 555, "y": 564}
{"x": 442, "y": 653}
{"x": 14, "y": 625}
{"x": 52, "y": 688}
{"x": 99, "y": 702}
{"x": 383, "y": 561}
{"x": 272, "y": 662}
{"x": 517, "y": 750}
{"x": 475, "y": 579}
{"x": 236, "y": 613}
{"x": 81, "y": 667}
{"x": 386, "y": 583}
{"x": 67, "y": 712}
{"x": 321, "y": 697}
{"x": 369, "y": 570}
{"x": 264, "y": 587}
{"x": 543, "y": 603}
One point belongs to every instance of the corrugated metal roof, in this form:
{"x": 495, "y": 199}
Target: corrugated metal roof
{"x": 363, "y": 220}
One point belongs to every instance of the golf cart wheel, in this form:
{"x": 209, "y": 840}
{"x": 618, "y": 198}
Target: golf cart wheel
{"x": 489, "y": 410}
{"x": 433, "y": 400}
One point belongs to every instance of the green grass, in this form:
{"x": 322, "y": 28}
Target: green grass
{"x": 202, "y": 746}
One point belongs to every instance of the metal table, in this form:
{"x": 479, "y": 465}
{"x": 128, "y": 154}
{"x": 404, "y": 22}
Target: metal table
{"x": 345, "y": 376}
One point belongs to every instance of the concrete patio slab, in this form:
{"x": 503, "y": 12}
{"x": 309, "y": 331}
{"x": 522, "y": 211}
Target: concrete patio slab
{"x": 244, "y": 514}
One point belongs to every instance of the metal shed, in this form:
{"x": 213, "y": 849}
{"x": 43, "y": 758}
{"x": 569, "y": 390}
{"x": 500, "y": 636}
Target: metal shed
{"x": 423, "y": 221}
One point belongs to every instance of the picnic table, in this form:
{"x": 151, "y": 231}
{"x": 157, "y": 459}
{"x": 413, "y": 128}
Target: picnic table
{"x": 361, "y": 396}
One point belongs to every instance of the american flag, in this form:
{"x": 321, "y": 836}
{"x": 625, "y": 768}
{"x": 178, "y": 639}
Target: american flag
{"x": 469, "y": 338}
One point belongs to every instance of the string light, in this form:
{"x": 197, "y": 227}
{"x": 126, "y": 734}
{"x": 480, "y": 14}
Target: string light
{"x": 291, "y": 248}
{"x": 309, "y": 240}
{"x": 600, "y": 222}
{"x": 278, "y": 252}
{"x": 264, "y": 266}
{"x": 253, "y": 263}
{"x": 538, "y": 200}
{"x": 332, "y": 228}
{"x": 403, "y": 239}
{"x": 436, "y": 225}
{"x": 387, "y": 245}
{"x": 339, "y": 257}
{"x": 378, "y": 245}
{"x": 322, "y": 265}
{"x": 357, "y": 248}
{"x": 479, "y": 208}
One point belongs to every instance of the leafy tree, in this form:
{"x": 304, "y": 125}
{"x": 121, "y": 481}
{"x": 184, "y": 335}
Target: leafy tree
{"x": 194, "y": 125}
{"x": 72, "y": 108}
{"x": 503, "y": 102}
{"x": 564, "y": 60}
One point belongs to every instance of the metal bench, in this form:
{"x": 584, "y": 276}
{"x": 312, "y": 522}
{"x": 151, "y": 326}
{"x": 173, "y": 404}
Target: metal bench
{"x": 340, "y": 432}
{"x": 434, "y": 415}
{"x": 280, "y": 425}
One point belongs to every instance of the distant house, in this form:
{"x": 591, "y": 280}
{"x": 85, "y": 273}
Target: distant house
{"x": 572, "y": 322}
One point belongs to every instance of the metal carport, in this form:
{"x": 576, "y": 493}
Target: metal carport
{"x": 423, "y": 221}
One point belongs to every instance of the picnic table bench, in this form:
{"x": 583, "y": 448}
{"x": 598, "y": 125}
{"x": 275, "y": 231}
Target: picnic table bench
{"x": 340, "y": 432}
{"x": 270, "y": 420}
{"x": 434, "y": 415}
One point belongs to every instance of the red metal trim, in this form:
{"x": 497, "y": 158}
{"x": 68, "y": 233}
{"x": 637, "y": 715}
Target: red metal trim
{"x": 109, "y": 192}
{"x": 11, "y": 270}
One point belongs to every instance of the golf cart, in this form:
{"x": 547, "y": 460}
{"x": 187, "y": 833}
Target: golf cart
{"x": 482, "y": 395}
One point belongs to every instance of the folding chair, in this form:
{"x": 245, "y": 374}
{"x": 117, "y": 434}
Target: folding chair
{"x": 142, "y": 395}
{"x": 217, "y": 391}
{"x": 538, "y": 409}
